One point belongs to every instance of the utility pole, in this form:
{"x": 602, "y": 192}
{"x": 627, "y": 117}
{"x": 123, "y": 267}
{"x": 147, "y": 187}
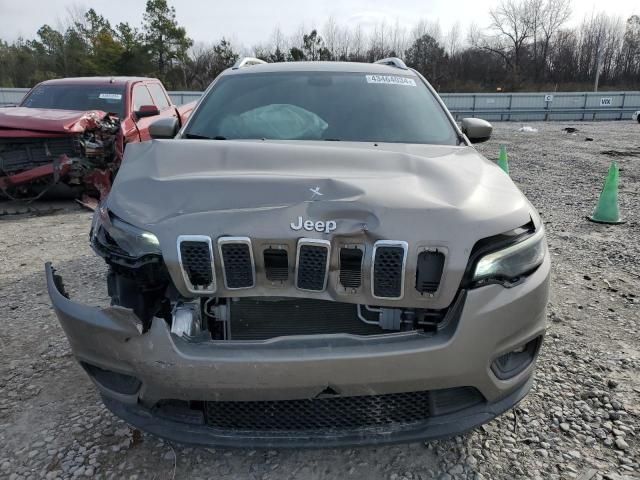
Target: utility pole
{"x": 598, "y": 66}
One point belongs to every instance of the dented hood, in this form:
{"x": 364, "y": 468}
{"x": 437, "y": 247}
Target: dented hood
{"x": 39, "y": 120}
{"x": 164, "y": 179}
{"x": 443, "y": 196}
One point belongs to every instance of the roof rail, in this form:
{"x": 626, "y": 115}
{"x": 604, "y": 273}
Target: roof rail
{"x": 392, "y": 62}
{"x": 247, "y": 62}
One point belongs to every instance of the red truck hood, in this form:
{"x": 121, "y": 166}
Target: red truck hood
{"x": 26, "y": 122}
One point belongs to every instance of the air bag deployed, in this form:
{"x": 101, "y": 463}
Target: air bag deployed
{"x": 275, "y": 122}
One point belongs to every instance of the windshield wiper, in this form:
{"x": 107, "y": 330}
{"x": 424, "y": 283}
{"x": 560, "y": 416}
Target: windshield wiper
{"x": 332, "y": 140}
{"x": 204, "y": 137}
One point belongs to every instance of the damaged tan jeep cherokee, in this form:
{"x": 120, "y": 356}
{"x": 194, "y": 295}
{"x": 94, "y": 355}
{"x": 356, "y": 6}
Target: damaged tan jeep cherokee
{"x": 319, "y": 257}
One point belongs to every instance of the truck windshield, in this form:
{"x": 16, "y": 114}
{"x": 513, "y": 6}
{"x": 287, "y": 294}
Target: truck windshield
{"x": 355, "y": 107}
{"x": 108, "y": 98}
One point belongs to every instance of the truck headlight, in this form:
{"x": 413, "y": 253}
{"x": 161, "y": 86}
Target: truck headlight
{"x": 121, "y": 238}
{"x": 510, "y": 263}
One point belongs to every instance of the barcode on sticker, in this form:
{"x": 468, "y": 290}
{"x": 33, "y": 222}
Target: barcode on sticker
{"x": 110, "y": 96}
{"x": 391, "y": 80}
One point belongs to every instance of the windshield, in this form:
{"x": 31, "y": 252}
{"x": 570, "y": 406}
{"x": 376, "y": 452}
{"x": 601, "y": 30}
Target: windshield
{"x": 108, "y": 98}
{"x": 354, "y": 107}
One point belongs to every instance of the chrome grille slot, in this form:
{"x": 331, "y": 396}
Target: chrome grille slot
{"x": 387, "y": 271}
{"x": 238, "y": 266}
{"x": 195, "y": 255}
{"x": 312, "y": 264}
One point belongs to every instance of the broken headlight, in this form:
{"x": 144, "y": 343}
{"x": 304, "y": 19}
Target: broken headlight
{"x": 509, "y": 264}
{"x": 121, "y": 238}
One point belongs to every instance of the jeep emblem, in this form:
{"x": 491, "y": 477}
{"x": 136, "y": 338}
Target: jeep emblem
{"x": 309, "y": 225}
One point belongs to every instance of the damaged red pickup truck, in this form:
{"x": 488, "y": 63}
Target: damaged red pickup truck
{"x": 73, "y": 132}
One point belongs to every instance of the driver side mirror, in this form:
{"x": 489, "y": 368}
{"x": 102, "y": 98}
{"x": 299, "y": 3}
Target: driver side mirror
{"x": 147, "y": 111}
{"x": 476, "y": 129}
{"x": 166, "y": 127}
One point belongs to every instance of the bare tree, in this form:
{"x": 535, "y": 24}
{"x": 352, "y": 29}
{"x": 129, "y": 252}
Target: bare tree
{"x": 379, "y": 42}
{"x": 278, "y": 41}
{"x": 601, "y": 37}
{"x": 630, "y": 53}
{"x": 357, "y": 45}
{"x": 343, "y": 39}
{"x": 555, "y": 15}
{"x": 330, "y": 35}
{"x": 511, "y": 27}
{"x": 452, "y": 39}
{"x": 424, "y": 27}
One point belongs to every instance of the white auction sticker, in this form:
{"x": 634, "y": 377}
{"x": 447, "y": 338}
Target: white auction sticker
{"x": 110, "y": 96}
{"x": 391, "y": 80}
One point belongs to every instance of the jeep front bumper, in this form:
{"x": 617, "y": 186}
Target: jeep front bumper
{"x": 135, "y": 372}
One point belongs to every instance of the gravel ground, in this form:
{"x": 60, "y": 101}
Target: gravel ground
{"x": 581, "y": 419}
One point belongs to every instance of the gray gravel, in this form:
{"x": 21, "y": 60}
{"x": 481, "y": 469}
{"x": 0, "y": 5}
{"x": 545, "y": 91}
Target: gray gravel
{"x": 580, "y": 421}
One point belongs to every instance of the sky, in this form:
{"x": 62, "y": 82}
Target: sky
{"x": 250, "y": 22}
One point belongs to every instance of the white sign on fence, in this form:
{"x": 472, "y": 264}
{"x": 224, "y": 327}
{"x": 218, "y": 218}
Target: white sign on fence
{"x": 548, "y": 98}
{"x": 606, "y": 101}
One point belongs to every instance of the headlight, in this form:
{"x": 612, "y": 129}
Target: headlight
{"x": 116, "y": 236}
{"x": 508, "y": 264}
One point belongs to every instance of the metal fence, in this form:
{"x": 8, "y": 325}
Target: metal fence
{"x": 567, "y": 106}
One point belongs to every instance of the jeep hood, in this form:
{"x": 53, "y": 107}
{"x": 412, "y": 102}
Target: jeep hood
{"x": 442, "y": 196}
{"x": 38, "y": 120}
{"x": 192, "y": 180}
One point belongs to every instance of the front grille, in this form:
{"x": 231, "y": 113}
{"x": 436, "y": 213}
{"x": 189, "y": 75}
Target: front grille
{"x": 337, "y": 413}
{"x": 196, "y": 260}
{"x": 312, "y": 265}
{"x": 17, "y": 154}
{"x": 350, "y": 267}
{"x": 388, "y": 269}
{"x": 237, "y": 262}
{"x": 429, "y": 271}
{"x": 262, "y": 318}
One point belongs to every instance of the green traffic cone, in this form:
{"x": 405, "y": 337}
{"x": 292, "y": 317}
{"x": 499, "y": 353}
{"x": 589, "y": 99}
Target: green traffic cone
{"x": 503, "y": 161}
{"x": 607, "y": 209}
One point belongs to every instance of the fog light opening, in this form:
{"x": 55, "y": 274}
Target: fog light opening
{"x": 116, "y": 382}
{"x": 514, "y": 362}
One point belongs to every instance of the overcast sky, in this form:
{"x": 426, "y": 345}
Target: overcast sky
{"x": 251, "y": 21}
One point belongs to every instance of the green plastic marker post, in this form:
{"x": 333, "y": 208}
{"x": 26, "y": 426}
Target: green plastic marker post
{"x": 607, "y": 209}
{"x": 503, "y": 161}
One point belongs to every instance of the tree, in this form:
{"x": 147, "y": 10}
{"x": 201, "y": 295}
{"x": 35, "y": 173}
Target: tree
{"x": 428, "y": 57}
{"x": 296, "y": 55}
{"x": 165, "y": 39}
{"x": 630, "y": 53}
{"x": 356, "y": 45}
{"x": 555, "y": 14}
{"x": 100, "y": 41}
{"x": 134, "y": 59}
{"x": 526, "y": 46}
{"x": 207, "y": 62}
{"x": 314, "y": 48}
{"x": 276, "y": 56}
{"x": 511, "y": 27}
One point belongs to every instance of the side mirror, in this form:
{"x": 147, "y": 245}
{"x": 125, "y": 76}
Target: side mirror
{"x": 476, "y": 129}
{"x": 147, "y": 111}
{"x": 166, "y": 127}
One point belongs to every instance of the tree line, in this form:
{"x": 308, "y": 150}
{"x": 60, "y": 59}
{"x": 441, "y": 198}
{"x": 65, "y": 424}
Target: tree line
{"x": 526, "y": 46}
